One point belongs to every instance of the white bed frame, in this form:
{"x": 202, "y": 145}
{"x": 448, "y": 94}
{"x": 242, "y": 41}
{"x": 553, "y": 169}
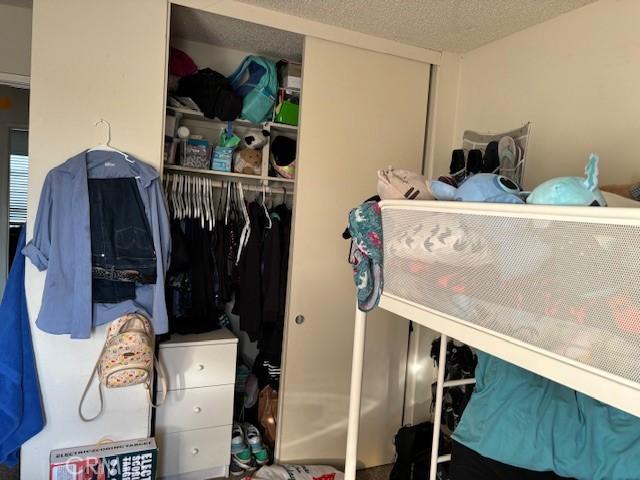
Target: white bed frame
{"x": 614, "y": 390}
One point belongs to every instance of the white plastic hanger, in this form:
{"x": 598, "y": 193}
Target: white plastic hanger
{"x": 106, "y": 146}
{"x": 180, "y": 196}
{"x": 264, "y": 207}
{"x": 246, "y": 230}
{"x": 174, "y": 195}
{"x": 211, "y": 211}
{"x": 227, "y": 204}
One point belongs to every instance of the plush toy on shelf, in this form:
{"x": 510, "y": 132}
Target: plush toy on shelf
{"x": 571, "y": 190}
{"x": 481, "y": 187}
{"x": 255, "y": 138}
{"x": 248, "y": 159}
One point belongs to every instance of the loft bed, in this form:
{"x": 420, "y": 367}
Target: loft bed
{"x": 551, "y": 289}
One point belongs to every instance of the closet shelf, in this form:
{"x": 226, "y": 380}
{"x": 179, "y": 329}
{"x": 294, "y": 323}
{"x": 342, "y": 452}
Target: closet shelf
{"x": 240, "y": 123}
{"x": 214, "y": 173}
{"x": 282, "y": 126}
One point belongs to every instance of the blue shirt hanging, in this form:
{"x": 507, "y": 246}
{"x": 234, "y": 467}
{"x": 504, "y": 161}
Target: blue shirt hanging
{"x": 21, "y": 415}
{"x": 62, "y": 245}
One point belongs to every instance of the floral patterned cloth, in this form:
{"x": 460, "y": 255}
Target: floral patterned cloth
{"x": 365, "y": 226}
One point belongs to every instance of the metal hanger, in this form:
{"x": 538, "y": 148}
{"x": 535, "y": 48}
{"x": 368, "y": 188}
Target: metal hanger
{"x": 106, "y": 146}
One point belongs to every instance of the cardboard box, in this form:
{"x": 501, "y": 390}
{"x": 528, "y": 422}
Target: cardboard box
{"x": 291, "y": 76}
{"x": 127, "y": 460}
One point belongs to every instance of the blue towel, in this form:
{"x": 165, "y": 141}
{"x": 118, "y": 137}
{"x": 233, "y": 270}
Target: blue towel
{"x": 21, "y": 415}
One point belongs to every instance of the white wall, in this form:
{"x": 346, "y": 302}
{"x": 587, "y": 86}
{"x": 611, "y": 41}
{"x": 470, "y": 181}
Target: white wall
{"x": 87, "y": 65}
{"x": 15, "y": 39}
{"x": 220, "y": 59}
{"x": 575, "y": 78}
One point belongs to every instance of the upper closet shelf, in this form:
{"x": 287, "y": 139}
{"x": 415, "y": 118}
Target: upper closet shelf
{"x": 215, "y": 173}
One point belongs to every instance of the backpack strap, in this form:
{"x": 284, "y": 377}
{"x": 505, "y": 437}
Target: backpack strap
{"x": 162, "y": 377}
{"x": 86, "y": 390}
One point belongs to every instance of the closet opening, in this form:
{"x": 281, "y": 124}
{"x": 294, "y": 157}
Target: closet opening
{"x": 229, "y": 175}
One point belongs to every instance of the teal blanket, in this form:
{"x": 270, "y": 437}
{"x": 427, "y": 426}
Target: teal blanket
{"x": 522, "y": 419}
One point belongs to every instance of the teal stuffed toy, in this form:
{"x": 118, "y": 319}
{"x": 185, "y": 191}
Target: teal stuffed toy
{"x": 571, "y": 190}
{"x": 481, "y": 187}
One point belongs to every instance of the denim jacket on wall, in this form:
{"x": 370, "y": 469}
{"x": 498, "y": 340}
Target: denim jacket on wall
{"x": 61, "y": 245}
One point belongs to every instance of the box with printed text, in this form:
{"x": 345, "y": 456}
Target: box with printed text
{"x": 127, "y": 460}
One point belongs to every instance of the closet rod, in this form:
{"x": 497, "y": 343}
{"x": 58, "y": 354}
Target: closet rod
{"x": 220, "y": 184}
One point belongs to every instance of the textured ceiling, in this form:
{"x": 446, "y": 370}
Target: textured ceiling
{"x": 227, "y": 32}
{"x": 450, "y": 25}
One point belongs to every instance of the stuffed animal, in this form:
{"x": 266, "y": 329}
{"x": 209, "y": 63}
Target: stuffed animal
{"x": 255, "y": 139}
{"x": 482, "y": 187}
{"x": 247, "y": 161}
{"x": 402, "y": 185}
{"x": 571, "y": 190}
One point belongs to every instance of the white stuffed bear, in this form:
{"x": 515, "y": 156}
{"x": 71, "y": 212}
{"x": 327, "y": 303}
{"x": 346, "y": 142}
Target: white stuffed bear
{"x": 255, "y": 139}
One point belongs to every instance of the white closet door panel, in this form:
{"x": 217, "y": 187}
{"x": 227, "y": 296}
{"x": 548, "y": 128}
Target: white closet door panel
{"x": 361, "y": 111}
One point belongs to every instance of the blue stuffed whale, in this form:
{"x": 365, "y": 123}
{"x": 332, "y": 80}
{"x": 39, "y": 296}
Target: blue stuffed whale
{"x": 481, "y": 187}
{"x": 571, "y": 190}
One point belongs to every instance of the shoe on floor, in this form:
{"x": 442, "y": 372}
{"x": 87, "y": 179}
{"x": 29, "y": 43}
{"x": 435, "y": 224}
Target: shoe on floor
{"x": 235, "y": 470}
{"x": 238, "y": 443}
{"x": 243, "y": 460}
{"x": 254, "y": 439}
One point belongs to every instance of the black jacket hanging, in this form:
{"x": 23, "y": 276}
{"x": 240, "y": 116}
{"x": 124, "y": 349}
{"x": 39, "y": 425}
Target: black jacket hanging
{"x": 249, "y": 294}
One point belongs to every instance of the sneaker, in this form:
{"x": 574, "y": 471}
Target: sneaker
{"x": 235, "y": 470}
{"x": 254, "y": 439}
{"x": 240, "y": 452}
{"x": 491, "y": 160}
{"x": 242, "y": 463}
{"x": 237, "y": 439}
{"x": 458, "y": 165}
{"x": 474, "y": 162}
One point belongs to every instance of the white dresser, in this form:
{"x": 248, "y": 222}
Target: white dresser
{"x": 193, "y": 426}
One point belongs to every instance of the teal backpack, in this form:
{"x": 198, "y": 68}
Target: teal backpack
{"x": 259, "y": 90}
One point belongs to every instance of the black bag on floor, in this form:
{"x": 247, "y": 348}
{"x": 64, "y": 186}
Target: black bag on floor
{"x": 212, "y": 93}
{"x": 413, "y": 452}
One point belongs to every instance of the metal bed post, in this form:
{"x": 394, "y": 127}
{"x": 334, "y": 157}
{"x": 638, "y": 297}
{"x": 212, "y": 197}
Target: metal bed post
{"x": 437, "y": 415}
{"x": 354, "y": 397}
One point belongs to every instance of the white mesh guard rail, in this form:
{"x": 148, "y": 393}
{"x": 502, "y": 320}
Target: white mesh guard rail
{"x": 552, "y": 289}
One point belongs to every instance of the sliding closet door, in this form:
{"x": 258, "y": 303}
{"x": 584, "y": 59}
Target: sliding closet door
{"x": 361, "y": 111}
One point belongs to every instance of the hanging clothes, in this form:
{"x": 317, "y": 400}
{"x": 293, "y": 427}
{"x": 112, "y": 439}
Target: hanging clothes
{"x": 121, "y": 244}
{"x": 275, "y": 272}
{"x": 21, "y": 415}
{"x": 191, "y": 283}
{"x": 61, "y": 245}
{"x": 249, "y": 293}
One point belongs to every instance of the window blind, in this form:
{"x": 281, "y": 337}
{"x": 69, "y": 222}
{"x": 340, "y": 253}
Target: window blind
{"x": 18, "y": 188}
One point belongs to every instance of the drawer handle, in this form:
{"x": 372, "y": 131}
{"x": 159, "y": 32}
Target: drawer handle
{"x": 200, "y": 367}
{"x": 197, "y": 409}
{"x": 195, "y": 451}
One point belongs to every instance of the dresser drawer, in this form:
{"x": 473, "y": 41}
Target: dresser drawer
{"x": 193, "y": 450}
{"x": 199, "y": 366}
{"x": 195, "y": 408}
